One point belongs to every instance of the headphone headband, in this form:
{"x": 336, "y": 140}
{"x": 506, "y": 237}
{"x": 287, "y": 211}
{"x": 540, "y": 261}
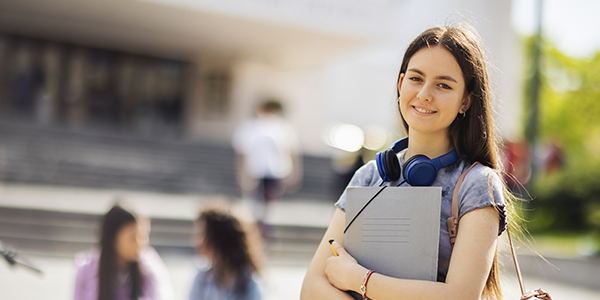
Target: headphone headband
{"x": 418, "y": 170}
{"x": 445, "y": 160}
{"x": 399, "y": 145}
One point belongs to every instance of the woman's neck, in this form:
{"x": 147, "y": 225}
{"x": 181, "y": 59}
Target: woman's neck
{"x": 431, "y": 145}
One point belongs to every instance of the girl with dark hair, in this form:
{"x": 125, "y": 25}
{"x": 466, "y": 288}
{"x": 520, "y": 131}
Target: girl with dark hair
{"x": 445, "y": 105}
{"x": 229, "y": 246}
{"x": 126, "y": 267}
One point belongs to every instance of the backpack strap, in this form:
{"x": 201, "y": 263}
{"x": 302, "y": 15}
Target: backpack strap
{"x": 452, "y": 221}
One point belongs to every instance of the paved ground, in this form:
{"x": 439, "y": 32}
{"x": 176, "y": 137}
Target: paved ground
{"x": 282, "y": 280}
{"x": 98, "y": 201}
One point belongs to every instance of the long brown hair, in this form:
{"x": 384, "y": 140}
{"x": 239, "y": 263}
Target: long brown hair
{"x": 472, "y": 135}
{"x": 228, "y": 240}
{"x": 114, "y": 220}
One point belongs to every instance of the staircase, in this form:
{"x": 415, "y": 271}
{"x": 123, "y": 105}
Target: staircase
{"x": 65, "y": 157}
{"x": 108, "y": 160}
{"x": 64, "y": 234}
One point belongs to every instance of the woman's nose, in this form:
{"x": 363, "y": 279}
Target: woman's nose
{"x": 425, "y": 93}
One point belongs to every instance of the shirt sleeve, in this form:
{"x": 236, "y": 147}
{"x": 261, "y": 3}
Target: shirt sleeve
{"x": 365, "y": 176}
{"x": 86, "y": 279}
{"x": 160, "y": 279}
{"x": 79, "y": 284}
{"x": 482, "y": 187}
{"x": 239, "y": 140}
{"x": 254, "y": 289}
{"x": 195, "y": 291}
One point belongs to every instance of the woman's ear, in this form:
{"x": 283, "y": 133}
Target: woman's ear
{"x": 400, "y": 82}
{"x": 466, "y": 103}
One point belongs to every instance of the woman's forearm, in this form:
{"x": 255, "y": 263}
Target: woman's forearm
{"x": 317, "y": 288}
{"x": 383, "y": 287}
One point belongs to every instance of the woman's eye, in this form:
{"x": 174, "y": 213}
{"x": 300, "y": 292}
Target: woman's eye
{"x": 444, "y": 86}
{"x": 415, "y": 79}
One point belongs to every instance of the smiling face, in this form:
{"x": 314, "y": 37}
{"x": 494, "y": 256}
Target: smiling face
{"x": 432, "y": 92}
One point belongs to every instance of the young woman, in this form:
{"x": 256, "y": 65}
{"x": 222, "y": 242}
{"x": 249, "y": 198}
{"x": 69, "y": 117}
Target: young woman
{"x": 445, "y": 105}
{"x": 126, "y": 268}
{"x": 230, "y": 270}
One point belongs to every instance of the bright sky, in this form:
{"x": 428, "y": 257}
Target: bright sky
{"x": 572, "y": 25}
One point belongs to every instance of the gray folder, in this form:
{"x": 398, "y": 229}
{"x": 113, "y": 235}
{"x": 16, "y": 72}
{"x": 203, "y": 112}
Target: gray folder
{"x": 397, "y": 234}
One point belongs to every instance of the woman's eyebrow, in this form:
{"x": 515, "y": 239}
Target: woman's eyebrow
{"x": 416, "y": 71}
{"x": 443, "y": 77}
{"x": 449, "y": 78}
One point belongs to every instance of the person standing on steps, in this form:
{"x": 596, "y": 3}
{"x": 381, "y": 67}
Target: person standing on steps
{"x": 268, "y": 159}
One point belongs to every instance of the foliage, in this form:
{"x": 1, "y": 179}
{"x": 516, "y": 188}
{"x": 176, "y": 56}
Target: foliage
{"x": 568, "y": 199}
{"x": 570, "y": 110}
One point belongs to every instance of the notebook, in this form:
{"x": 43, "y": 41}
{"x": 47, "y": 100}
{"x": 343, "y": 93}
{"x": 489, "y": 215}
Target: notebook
{"x": 397, "y": 234}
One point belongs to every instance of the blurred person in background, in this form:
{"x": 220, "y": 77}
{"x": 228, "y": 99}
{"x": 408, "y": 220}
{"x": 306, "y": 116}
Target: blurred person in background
{"x": 268, "y": 159}
{"x": 229, "y": 246}
{"x": 126, "y": 268}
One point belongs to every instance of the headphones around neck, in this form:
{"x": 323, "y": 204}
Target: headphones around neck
{"x": 418, "y": 170}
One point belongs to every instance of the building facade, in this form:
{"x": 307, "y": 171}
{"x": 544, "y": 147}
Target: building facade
{"x": 196, "y": 69}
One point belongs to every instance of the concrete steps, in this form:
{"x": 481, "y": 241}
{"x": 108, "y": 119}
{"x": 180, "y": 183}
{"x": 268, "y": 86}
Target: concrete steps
{"x": 64, "y": 234}
{"x": 64, "y": 157}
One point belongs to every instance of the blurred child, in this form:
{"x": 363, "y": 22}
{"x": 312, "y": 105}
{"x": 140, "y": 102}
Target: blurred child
{"x": 229, "y": 246}
{"x": 126, "y": 267}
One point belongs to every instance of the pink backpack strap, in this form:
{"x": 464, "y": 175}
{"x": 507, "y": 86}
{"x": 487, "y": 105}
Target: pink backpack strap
{"x": 452, "y": 221}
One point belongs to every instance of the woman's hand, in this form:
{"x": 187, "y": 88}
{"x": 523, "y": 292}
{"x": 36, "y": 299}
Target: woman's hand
{"x": 343, "y": 271}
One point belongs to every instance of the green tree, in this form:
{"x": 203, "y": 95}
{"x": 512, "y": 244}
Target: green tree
{"x": 569, "y": 199}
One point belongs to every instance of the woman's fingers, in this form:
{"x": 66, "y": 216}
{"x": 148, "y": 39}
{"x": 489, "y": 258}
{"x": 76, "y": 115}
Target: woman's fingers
{"x": 339, "y": 268}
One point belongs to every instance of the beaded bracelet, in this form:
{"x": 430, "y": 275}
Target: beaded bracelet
{"x": 363, "y": 287}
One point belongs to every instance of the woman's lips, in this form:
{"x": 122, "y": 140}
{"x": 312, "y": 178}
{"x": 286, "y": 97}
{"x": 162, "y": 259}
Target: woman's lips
{"x": 423, "y": 111}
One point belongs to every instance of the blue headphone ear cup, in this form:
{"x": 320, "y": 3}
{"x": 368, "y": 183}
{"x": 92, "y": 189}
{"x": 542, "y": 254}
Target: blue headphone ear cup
{"x": 388, "y": 165}
{"x": 391, "y": 165}
{"x": 419, "y": 171}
